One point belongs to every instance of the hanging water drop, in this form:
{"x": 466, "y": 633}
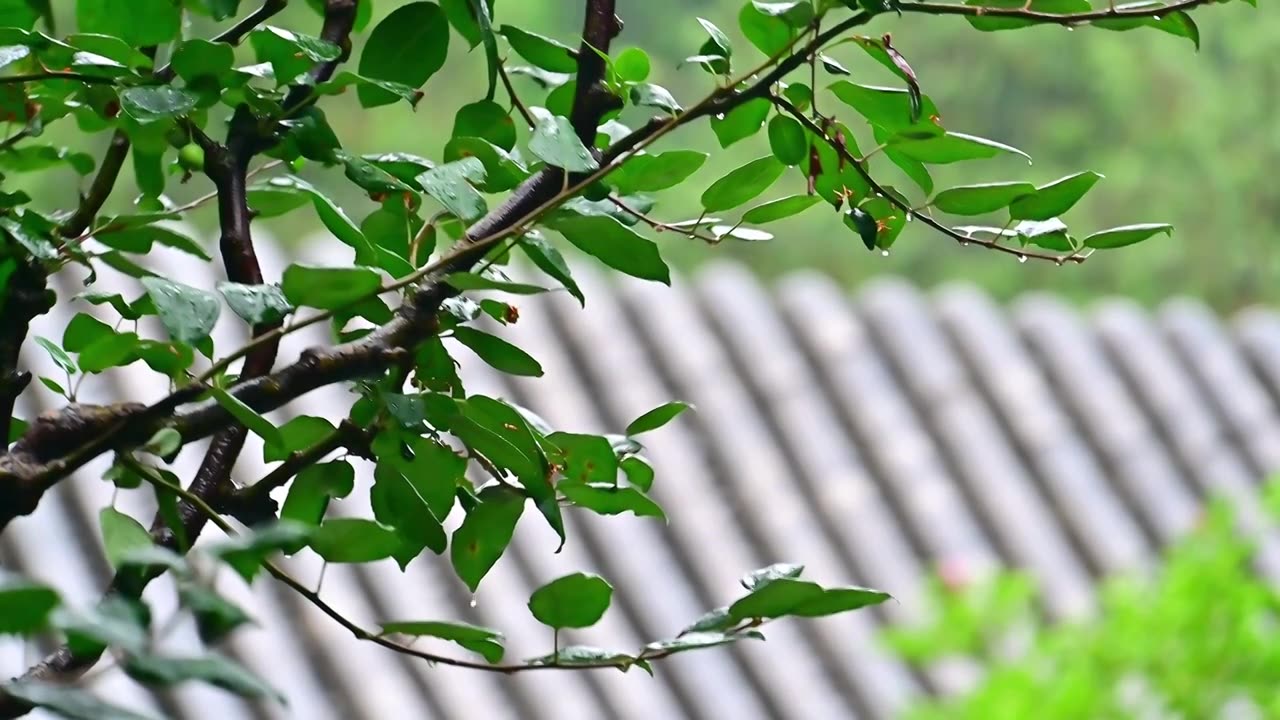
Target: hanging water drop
{"x": 964, "y": 243}
{"x": 884, "y": 253}
{"x": 1022, "y": 258}
{"x": 473, "y": 601}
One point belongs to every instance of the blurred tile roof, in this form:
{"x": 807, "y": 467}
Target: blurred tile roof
{"x": 870, "y": 437}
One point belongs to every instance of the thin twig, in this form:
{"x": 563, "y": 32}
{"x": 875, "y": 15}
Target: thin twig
{"x": 511, "y": 92}
{"x": 660, "y": 226}
{"x": 911, "y": 212}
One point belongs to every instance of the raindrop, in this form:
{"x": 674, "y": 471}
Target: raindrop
{"x": 884, "y": 253}
{"x": 719, "y": 116}
{"x": 1022, "y": 258}
{"x": 473, "y": 601}
{"x": 964, "y": 243}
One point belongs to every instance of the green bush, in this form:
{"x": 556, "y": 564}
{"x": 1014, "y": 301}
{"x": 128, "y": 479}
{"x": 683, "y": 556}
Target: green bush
{"x": 1196, "y": 637}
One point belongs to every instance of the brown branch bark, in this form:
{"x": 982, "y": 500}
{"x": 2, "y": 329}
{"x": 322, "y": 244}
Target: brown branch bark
{"x": 26, "y": 296}
{"x": 227, "y": 167}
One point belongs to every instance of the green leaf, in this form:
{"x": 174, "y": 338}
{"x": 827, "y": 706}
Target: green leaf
{"x": 121, "y": 534}
{"x": 632, "y": 65}
{"x": 502, "y": 170}
{"x": 1053, "y": 7}
{"x": 657, "y": 417}
{"x": 788, "y": 140}
{"x": 550, "y": 261}
{"x": 245, "y": 552}
{"x": 341, "y": 226}
{"x": 614, "y": 244}
{"x": 484, "y": 534}
{"x": 200, "y": 58}
{"x": 140, "y": 240}
{"x": 839, "y": 599}
{"x": 247, "y": 416}
{"x": 291, "y": 54}
{"x": 188, "y": 313}
{"x": 472, "y": 281}
{"x": 716, "y": 51}
{"x": 1055, "y": 198}
{"x": 216, "y": 617}
{"x": 863, "y": 223}
{"x": 555, "y": 142}
{"x": 111, "y": 350}
{"x": 58, "y": 355}
{"x": 774, "y": 599}
{"x": 650, "y": 173}
{"x": 24, "y": 605}
{"x": 463, "y": 17}
{"x": 757, "y": 579}
{"x": 650, "y": 95}
{"x": 68, "y": 701}
{"x": 952, "y": 147}
{"x": 698, "y": 640}
{"x": 408, "y": 47}
{"x": 541, "y": 51}
{"x": 798, "y": 13}
{"x": 585, "y": 458}
{"x": 498, "y": 353}
{"x": 140, "y": 23}
{"x": 164, "y": 443}
{"x": 481, "y": 640}
{"x": 485, "y": 428}
{"x": 451, "y": 185}
{"x": 1126, "y": 235}
{"x": 890, "y": 108}
{"x": 606, "y": 499}
{"x": 573, "y": 601}
{"x": 1051, "y": 234}
{"x": 981, "y": 199}
{"x": 639, "y": 473}
{"x": 889, "y": 219}
{"x": 487, "y": 120}
{"x": 313, "y": 488}
{"x": 768, "y": 33}
{"x": 148, "y": 103}
{"x": 398, "y": 504}
{"x": 328, "y": 288}
{"x": 432, "y": 469}
{"x": 742, "y": 184}
{"x": 778, "y": 209}
{"x": 586, "y": 656}
{"x": 741, "y": 122}
{"x": 353, "y": 540}
{"x": 116, "y": 622}
{"x": 300, "y": 433}
{"x": 211, "y": 669}
{"x": 256, "y": 304}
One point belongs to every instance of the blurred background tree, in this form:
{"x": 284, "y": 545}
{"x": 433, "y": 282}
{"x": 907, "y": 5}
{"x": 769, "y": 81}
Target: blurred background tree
{"x": 1185, "y": 138}
{"x": 1195, "y": 637}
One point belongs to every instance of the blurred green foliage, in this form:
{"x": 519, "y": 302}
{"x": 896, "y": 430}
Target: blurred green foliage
{"x": 1195, "y": 637}
{"x": 1182, "y": 136}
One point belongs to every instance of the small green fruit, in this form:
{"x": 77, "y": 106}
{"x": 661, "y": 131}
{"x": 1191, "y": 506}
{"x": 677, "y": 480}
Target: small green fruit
{"x": 191, "y": 157}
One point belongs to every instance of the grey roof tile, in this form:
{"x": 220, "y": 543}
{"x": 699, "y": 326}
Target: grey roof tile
{"x": 873, "y": 438}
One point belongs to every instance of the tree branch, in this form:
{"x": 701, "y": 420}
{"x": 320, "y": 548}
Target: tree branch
{"x": 1044, "y": 18}
{"x": 25, "y": 477}
{"x": 26, "y": 296}
{"x": 227, "y": 167}
{"x": 963, "y": 239}
{"x": 103, "y": 183}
